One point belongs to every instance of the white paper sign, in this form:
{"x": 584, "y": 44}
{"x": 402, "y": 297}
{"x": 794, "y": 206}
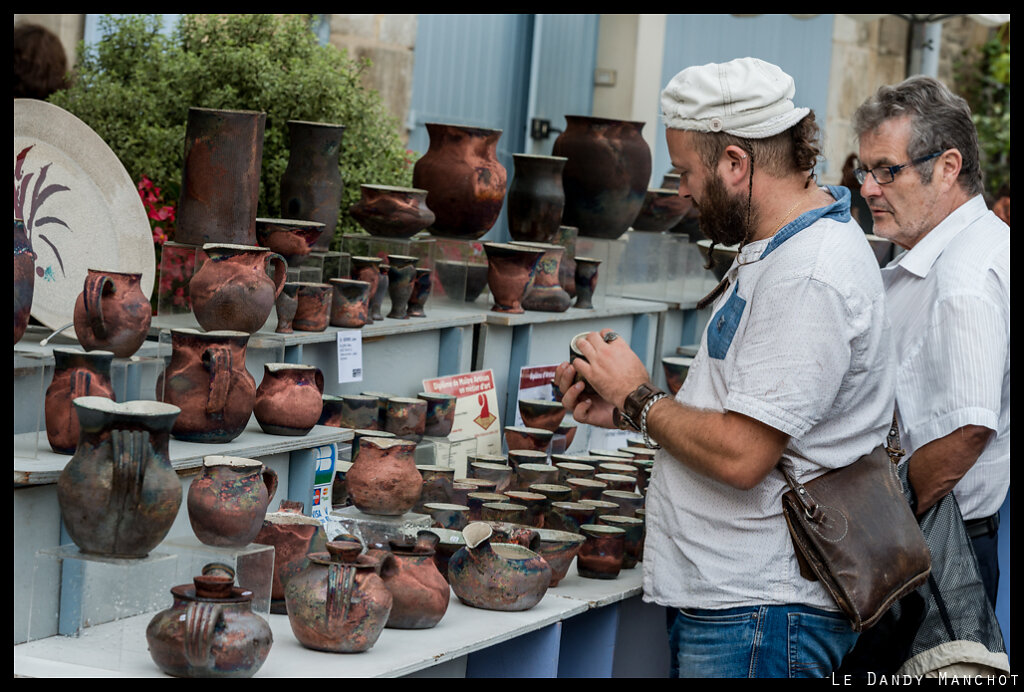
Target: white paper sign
{"x": 476, "y": 411}
{"x": 350, "y": 356}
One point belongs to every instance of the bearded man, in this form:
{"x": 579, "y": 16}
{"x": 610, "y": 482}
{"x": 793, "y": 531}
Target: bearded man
{"x": 796, "y": 364}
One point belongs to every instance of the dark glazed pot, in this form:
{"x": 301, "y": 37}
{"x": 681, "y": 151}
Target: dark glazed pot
{"x": 359, "y": 412}
{"x": 723, "y": 256}
{"x": 293, "y": 535}
{"x": 210, "y": 631}
{"x": 232, "y": 290}
{"x": 118, "y": 494}
{"x": 313, "y": 312}
{"x": 350, "y": 305}
{"x": 586, "y": 282}
{"x": 521, "y": 437}
{"x": 383, "y": 478}
{"x": 368, "y": 269}
{"x": 420, "y": 292}
{"x": 541, "y": 413}
{"x": 227, "y": 501}
{"x": 675, "y": 368}
{"x": 75, "y": 374}
{"x": 509, "y": 268}
{"x": 24, "y": 279}
{"x": 286, "y": 304}
{"x": 437, "y": 485}
{"x": 339, "y": 603}
{"x": 440, "y": 413}
{"x": 544, "y": 292}
{"x": 662, "y": 210}
{"x": 600, "y": 556}
{"x": 606, "y": 176}
{"x": 558, "y": 548}
{"x": 536, "y": 198}
{"x": 293, "y": 239}
{"x": 208, "y": 380}
{"x": 633, "y": 539}
{"x": 112, "y": 313}
{"x": 289, "y": 400}
{"x": 464, "y": 180}
{"x": 497, "y": 576}
{"x": 330, "y": 415}
{"x": 406, "y": 417}
{"x": 312, "y": 187}
{"x": 401, "y": 275}
{"x": 420, "y": 594}
{"x": 392, "y": 212}
{"x": 220, "y": 180}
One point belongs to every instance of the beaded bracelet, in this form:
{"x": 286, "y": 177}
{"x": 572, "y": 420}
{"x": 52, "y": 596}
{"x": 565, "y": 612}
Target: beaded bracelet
{"x": 643, "y": 420}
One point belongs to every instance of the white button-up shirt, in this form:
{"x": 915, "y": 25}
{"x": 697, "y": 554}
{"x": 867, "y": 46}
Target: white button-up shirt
{"x": 949, "y": 305}
{"x": 800, "y": 342}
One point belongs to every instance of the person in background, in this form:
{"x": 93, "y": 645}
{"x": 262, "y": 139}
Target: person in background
{"x": 40, "y": 63}
{"x": 858, "y": 207}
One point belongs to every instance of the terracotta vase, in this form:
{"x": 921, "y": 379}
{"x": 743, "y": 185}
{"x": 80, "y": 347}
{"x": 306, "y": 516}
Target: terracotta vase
{"x": 24, "y": 279}
{"x": 497, "y": 576}
{"x": 566, "y": 237}
{"x": 293, "y": 239}
{"x": 75, "y": 374}
{"x": 544, "y": 292}
{"x": 586, "y": 281}
{"x": 339, "y": 603}
{"x": 220, "y": 180}
{"x": 208, "y": 380}
{"x": 464, "y": 180}
{"x": 536, "y": 198}
{"x": 350, "y": 303}
{"x": 313, "y": 312}
{"x": 606, "y": 176}
{"x": 392, "y": 212}
{"x": 384, "y": 479}
{"x": 420, "y": 594}
{"x": 401, "y": 274}
{"x": 420, "y": 292}
{"x": 368, "y": 269}
{"x": 286, "y": 304}
{"x": 289, "y": 400}
{"x": 112, "y": 313}
{"x": 293, "y": 535}
{"x": 312, "y": 186}
{"x": 210, "y": 631}
{"x": 509, "y": 268}
{"x": 118, "y": 494}
{"x": 232, "y": 290}
{"x": 227, "y": 501}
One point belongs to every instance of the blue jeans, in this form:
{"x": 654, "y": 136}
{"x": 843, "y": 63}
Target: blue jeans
{"x": 789, "y": 641}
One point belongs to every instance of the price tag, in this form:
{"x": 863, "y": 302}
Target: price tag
{"x": 350, "y": 356}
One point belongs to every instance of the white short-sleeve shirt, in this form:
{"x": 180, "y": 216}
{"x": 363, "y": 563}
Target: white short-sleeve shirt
{"x": 799, "y": 341}
{"x": 949, "y": 305}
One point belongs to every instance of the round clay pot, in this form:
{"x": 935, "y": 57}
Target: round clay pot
{"x": 509, "y": 268}
{"x": 350, "y": 305}
{"x": 75, "y": 374}
{"x": 313, "y": 312}
{"x": 227, "y": 501}
{"x": 383, "y": 478}
{"x": 289, "y": 400}
{"x": 420, "y": 593}
{"x": 392, "y": 212}
{"x": 112, "y": 313}
{"x": 312, "y": 186}
{"x": 497, "y": 576}
{"x": 293, "y": 239}
{"x": 464, "y": 180}
{"x": 233, "y": 291}
{"x": 558, "y": 548}
{"x": 600, "y": 556}
{"x": 536, "y": 197}
{"x": 293, "y": 535}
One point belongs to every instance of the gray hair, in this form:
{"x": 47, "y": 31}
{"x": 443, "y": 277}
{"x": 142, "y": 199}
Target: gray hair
{"x": 939, "y": 120}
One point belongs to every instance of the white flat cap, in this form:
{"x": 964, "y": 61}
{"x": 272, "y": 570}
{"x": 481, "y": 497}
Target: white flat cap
{"x": 745, "y": 97}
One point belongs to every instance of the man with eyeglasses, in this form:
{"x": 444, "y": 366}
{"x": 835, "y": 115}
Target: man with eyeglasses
{"x": 949, "y": 301}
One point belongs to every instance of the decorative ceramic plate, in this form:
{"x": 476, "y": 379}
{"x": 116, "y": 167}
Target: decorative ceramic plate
{"x": 81, "y": 209}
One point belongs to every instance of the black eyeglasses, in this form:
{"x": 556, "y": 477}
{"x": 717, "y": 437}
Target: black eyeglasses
{"x": 884, "y": 175}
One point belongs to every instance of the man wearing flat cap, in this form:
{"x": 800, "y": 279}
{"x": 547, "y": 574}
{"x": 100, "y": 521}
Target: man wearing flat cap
{"x": 796, "y": 365}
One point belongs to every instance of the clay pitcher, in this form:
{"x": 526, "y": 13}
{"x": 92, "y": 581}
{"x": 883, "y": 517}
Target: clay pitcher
{"x": 210, "y": 631}
{"x": 312, "y": 186}
{"x": 339, "y": 603}
{"x": 24, "y": 279}
{"x": 220, "y": 179}
{"x": 227, "y": 501}
{"x": 289, "y": 400}
{"x": 384, "y": 479}
{"x": 536, "y": 198}
{"x": 293, "y": 535}
{"x": 497, "y": 576}
{"x": 208, "y": 380}
{"x": 420, "y": 594}
{"x": 75, "y": 374}
{"x": 464, "y": 180}
{"x": 118, "y": 494}
{"x": 112, "y": 313}
{"x": 232, "y": 290}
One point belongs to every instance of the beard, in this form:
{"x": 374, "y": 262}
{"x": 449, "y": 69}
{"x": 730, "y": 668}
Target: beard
{"x": 724, "y": 219}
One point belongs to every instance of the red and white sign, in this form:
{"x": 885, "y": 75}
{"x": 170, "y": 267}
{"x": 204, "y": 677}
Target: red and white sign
{"x": 476, "y": 411}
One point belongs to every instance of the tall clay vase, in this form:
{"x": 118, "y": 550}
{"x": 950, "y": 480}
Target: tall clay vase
{"x": 220, "y": 180}
{"x": 536, "y": 198}
{"x": 289, "y": 400}
{"x": 210, "y": 631}
{"x": 112, "y": 313}
{"x": 464, "y": 180}
{"x": 350, "y": 304}
{"x": 606, "y": 176}
{"x": 312, "y": 187}
{"x": 420, "y": 595}
{"x": 293, "y": 535}
{"x": 118, "y": 494}
{"x": 75, "y": 374}
{"x": 24, "y": 279}
{"x": 544, "y": 292}
{"x": 420, "y": 292}
{"x": 401, "y": 274}
{"x": 208, "y": 380}
{"x": 509, "y": 268}
{"x": 232, "y": 290}
{"x": 383, "y": 479}
{"x": 368, "y": 269}
{"x": 339, "y": 603}
{"x": 566, "y": 237}
{"x": 497, "y": 576}
{"x": 227, "y": 501}
{"x": 586, "y": 281}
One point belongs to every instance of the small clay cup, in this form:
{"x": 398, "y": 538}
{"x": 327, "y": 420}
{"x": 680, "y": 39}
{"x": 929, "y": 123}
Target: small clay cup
{"x": 440, "y": 413}
{"x": 313, "y": 313}
{"x": 521, "y": 437}
{"x": 350, "y": 303}
{"x": 540, "y": 413}
{"x": 406, "y": 417}
{"x": 602, "y": 553}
